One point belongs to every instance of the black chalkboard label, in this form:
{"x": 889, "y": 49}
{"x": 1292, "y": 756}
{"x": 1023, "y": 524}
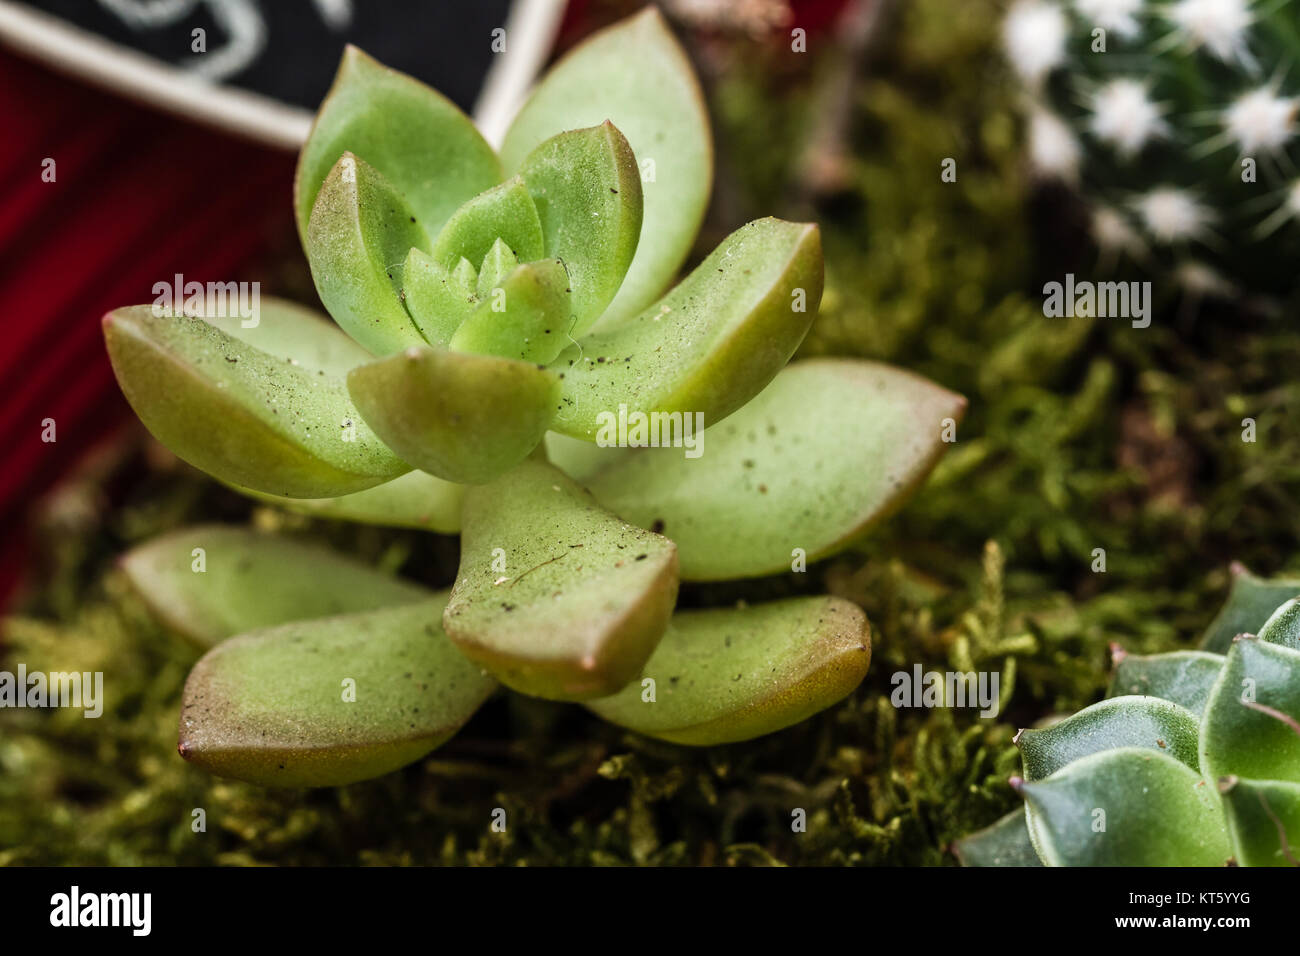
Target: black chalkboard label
{"x": 288, "y": 49}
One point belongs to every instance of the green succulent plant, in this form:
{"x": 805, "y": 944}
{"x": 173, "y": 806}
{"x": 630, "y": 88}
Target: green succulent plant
{"x": 1192, "y": 760}
{"x": 490, "y": 310}
{"x": 1176, "y": 121}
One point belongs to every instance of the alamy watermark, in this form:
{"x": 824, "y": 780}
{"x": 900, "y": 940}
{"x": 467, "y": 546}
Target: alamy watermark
{"x": 76, "y": 689}
{"x": 651, "y": 430}
{"x": 75, "y": 908}
{"x": 241, "y": 300}
{"x": 921, "y": 688}
{"x": 1105, "y": 300}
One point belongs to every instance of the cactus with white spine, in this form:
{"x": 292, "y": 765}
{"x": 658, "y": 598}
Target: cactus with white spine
{"x": 1176, "y": 122}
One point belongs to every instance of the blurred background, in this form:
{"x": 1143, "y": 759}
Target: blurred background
{"x": 1082, "y": 433}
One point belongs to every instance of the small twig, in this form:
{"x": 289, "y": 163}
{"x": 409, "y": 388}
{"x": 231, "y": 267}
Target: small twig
{"x": 826, "y": 156}
{"x": 542, "y": 565}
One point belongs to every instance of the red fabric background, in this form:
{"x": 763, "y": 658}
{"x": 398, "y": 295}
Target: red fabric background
{"x": 138, "y": 197}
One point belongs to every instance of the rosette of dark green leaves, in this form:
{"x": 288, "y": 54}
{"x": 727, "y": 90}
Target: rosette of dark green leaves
{"x": 1192, "y": 760}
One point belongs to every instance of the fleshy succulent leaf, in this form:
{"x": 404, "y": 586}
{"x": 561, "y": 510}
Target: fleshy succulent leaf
{"x": 1263, "y": 820}
{"x": 465, "y": 274}
{"x": 437, "y": 299}
{"x": 555, "y": 596}
{"x": 1004, "y": 843}
{"x": 580, "y": 459}
{"x": 505, "y": 212}
{"x": 210, "y": 582}
{"x": 329, "y": 701}
{"x": 264, "y": 407}
{"x": 1118, "y": 722}
{"x": 1250, "y": 602}
{"x": 457, "y": 291}
{"x": 464, "y": 418}
{"x": 1182, "y": 677}
{"x": 360, "y": 234}
{"x": 423, "y": 144}
{"x": 730, "y": 674}
{"x": 1283, "y": 627}
{"x": 497, "y": 264}
{"x": 636, "y": 75}
{"x": 300, "y": 336}
{"x": 1202, "y": 769}
{"x": 523, "y": 317}
{"x": 767, "y": 484}
{"x": 711, "y": 344}
{"x": 587, "y": 190}
{"x": 413, "y": 500}
{"x": 1251, "y": 726}
{"x": 1131, "y": 806}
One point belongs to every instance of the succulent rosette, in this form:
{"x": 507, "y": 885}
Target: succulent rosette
{"x": 1192, "y": 760}
{"x": 491, "y": 311}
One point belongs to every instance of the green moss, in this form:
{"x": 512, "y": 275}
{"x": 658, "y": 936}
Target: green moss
{"x": 574, "y": 790}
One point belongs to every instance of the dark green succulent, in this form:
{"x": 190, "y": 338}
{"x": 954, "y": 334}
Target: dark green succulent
{"x": 495, "y": 315}
{"x": 1192, "y": 760}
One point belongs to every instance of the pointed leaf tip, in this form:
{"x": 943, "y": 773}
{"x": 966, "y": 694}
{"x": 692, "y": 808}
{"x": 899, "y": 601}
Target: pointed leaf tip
{"x": 437, "y": 299}
{"x": 504, "y": 212}
{"x": 404, "y": 129}
{"x": 1118, "y": 722}
{"x": 587, "y": 192}
{"x": 358, "y": 239}
{"x": 635, "y": 75}
{"x": 523, "y": 317}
